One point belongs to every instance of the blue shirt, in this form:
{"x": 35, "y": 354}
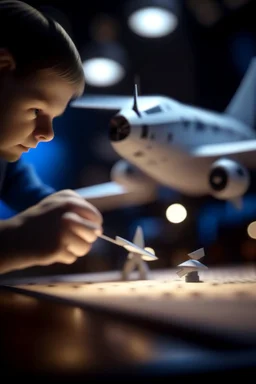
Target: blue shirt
{"x": 20, "y": 186}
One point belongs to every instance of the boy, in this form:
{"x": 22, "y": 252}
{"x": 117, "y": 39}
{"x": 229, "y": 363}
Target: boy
{"x": 40, "y": 72}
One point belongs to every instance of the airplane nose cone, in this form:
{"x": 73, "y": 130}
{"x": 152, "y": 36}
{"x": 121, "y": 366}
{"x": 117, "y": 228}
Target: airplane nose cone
{"x": 119, "y": 128}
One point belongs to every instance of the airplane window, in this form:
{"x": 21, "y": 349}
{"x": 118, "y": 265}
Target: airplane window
{"x": 199, "y": 126}
{"x": 144, "y": 132}
{"x": 186, "y": 123}
{"x": 154, "y": 110}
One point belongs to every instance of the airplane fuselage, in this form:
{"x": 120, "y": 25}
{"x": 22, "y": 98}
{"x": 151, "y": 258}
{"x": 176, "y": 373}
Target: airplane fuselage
{"x": 161, "y": 142}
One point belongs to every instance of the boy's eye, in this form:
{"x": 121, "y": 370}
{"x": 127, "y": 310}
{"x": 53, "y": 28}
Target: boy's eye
{"x": 36, "y": 111}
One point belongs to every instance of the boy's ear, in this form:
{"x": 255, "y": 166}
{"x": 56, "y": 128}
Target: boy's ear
{"x": 7, "y": 62}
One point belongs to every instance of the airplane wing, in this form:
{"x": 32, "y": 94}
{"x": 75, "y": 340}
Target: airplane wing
{"x": 131, "y": 247}
{"x": 111, "y": 195}
{"x": 114, "y": 102}
{"x": 107, "y": 102}
{"x": 244, "y": 151}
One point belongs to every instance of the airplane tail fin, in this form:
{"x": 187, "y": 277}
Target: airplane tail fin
{"x": 243, "y": 104}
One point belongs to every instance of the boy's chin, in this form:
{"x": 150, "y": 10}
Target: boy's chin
{"x": 9, "y": 156}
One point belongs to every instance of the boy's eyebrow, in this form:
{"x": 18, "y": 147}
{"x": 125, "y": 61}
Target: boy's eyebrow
{"x": 37, "y": 95}
{"x": 40, "y": 96}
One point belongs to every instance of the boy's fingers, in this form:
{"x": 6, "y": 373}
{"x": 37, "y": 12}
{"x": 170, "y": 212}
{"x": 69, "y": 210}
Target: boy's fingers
{"x": 86, "y": 229}
{"x": 67, "y": 257}
{"x": 86, "y": 210}
{"x": 76, "y": 245}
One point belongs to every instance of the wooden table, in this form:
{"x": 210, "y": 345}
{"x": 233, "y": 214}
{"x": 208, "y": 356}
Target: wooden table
{"x": 44, "y": 336}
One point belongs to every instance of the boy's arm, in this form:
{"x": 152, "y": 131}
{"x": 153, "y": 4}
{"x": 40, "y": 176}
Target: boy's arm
{"x": 22, "y": 188}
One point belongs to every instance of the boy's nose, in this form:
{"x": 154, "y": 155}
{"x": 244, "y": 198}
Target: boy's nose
{"x": 44, "y": 131}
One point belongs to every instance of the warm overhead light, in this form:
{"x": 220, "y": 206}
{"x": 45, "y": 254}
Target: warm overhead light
{"x": 176, "y": 213}
{"x": 152, "y": 19}
{"x": 152, "y": 22}
{"x": 104, "y": 63}
{"x": 251, "y": 230}
{"x": 102, "y": 72}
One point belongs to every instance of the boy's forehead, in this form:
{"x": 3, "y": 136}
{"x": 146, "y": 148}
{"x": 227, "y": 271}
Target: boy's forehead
{"x": 48, "y": 87}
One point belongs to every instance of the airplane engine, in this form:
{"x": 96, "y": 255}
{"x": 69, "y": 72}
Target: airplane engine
{"x": 129, "y": 176}
{"x": 228, "y": 179}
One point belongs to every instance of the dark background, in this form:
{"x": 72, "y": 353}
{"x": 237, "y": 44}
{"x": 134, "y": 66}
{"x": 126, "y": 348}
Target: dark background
{"x": 201, "y": 63}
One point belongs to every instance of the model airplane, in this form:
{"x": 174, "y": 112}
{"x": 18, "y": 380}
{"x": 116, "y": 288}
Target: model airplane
{"x": 191, "y": 150}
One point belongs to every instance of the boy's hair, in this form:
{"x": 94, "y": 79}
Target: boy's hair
{"x": 38, "y": 42}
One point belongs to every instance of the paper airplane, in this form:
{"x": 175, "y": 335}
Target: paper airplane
{"x": 198, "y": 254}
{"x": 136, "y": 261}
{"x": 190, "y": 266}
{"x": 131, "y": 247}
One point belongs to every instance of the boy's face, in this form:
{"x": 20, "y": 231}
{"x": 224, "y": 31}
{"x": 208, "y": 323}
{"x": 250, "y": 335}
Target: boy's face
{"x": 27, "y": 109}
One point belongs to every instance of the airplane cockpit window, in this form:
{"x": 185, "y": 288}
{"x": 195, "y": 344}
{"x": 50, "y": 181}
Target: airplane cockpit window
{"x": 153, "y": 110}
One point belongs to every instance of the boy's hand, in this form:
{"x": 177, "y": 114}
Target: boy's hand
{"x": 60, "y": 228}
